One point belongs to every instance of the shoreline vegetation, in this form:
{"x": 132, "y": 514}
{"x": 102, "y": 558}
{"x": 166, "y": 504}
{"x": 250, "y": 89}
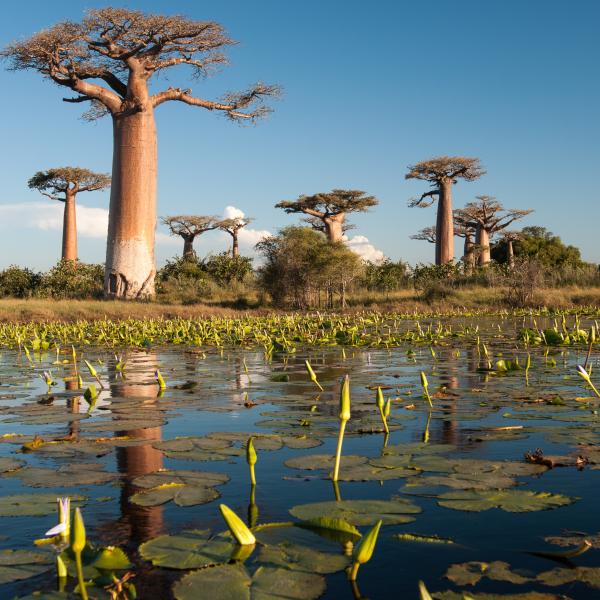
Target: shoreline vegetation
{"x": 409, "y": 303}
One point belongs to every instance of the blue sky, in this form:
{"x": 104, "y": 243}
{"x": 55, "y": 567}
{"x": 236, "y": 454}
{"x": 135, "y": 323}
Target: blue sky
{"x": 369, "y": 89}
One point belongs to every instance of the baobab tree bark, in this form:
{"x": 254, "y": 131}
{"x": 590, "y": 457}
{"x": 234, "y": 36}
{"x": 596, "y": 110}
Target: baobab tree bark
{"x": 69, "y": 240}
{"x": 469, "y": 253}
{"x": 483, "y": 241}
{"x": 130, "y": 261}
{"x": 334, "y": 227}
{"x": 444, "y": 248}
{"x": 188, "y": 247}
{"x": 510, "y": 253}
{"x": 235, "y": 248}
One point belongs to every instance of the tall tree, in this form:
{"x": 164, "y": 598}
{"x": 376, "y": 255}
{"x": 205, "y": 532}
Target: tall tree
{"x": 442, "y": 172}
{"x": 510, "y": 237}
{"x": 108, "y": 59}
{"x": 488, "y": 216}
{"x": 330, "y": 208}
{"x": 465, "y": 230}
{"x": 232, "y": 227}
{"x": 63, "y": 184}
{"x": 189, "y": 227}
{"x": 427, "y": 234}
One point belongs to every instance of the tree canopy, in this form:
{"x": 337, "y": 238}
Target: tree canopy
{"x": 94, "y": 57}
{"x": 232, "y": 226}
{"x": 427, "y": 234}
{"x": 329, "y": 204}
{"x": 489, "y": 214}
{"x": 65, "y": 180}
{"x": 189, "y": 226}
{"x": 542, "y": 245}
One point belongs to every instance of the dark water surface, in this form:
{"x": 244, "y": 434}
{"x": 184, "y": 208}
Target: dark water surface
{"x": 555, "y": 410}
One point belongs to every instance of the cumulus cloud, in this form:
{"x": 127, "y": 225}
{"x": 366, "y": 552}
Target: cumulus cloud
{"x": 91, "y": 222}
{"x": 361, "y": 245}
{"x": 248, "y": 237}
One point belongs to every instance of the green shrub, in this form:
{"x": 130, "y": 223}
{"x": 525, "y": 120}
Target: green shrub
{"x": 72, "y": 280}
{"x": 224, "y": 269}
{"x": 18, "y": 282}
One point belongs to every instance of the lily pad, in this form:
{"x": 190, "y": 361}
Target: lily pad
{"x": 31, "y": 505}
{"x": 10, "y": 464}
{"x": 22, "y": 564}
{"x": 470, "y": 573}
{"x": 360, "y": 512}
{"x": 508, "y": 500}
{"x": 589, "y": 576}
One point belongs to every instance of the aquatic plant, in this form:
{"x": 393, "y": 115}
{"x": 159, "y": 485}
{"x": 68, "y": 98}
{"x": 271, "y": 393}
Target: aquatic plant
{"x": 312, "y": 374}
{"x": 364, "y": 550}
{"x": 425, "y": 385}
{"x": 251, "y": 459}
{"x": 344, "y": 417}
{"x": 237, "y": 527}
{"x": 381, "y": 406}
{"x": 77, "y": 545}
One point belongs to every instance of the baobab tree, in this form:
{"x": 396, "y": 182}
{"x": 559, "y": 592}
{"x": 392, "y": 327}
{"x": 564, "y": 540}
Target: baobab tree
{"x": 232, "y": 227}
{"x": 465, "y": 230}
{"x": 488, "y": 217}
{"x": 189, "y": 227}
{"x": 442, "y": 173}
{"x": 510, "y": 237}
{"x": 63, "y": 184}
{"x": 318, "y": 225}
{"x": 330, "y": 208}
{"x": 427, "y": 234}
{"x": 109, "y": 59}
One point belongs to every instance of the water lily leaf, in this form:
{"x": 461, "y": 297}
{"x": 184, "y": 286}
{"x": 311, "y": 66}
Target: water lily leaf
{"x": 360, "y": 512}
{"x": 508, "y": 500}
{"x": 111, "y": 558}
{"x": 425, "y": 539}
{"x": 461, "y": 481}
{"x": 233, "y": 582}
{"x": 188, "y": 550}
{"x": 79, "y": 474}
{"x": 470, "y": 573}
{"x": 336, "y": 530}
{"x": 318, "y": 462}
{"x": 574, "y": 538}
{"x": 452, "y": 595}
{"x": 301, "y": 558}
{"x": 22, "y": 564}
{"x": 10, "y": 464}
{"x": 588, "y": 575}
{"x": 32, "y": 505}
{"x": 223, "y": 582}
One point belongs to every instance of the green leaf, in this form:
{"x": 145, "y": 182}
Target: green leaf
{"x": 32, "y": 505}
{"x": 22, "y": 564}
{"x": 508, "y": 500}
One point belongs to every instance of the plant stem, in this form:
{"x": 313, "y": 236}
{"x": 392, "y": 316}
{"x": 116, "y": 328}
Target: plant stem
{"x": 79, "y": 566}
{"x": 338, "y": 452}
{"x": 354, "y": 571}
{"x": 252, "y": 475}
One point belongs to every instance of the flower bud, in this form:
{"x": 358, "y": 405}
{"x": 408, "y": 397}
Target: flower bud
{"x": 250, "y": 452}
{"x": 345, "y": 399}
{"x": 237, "y": 527}
{"x": 78, "y": 533}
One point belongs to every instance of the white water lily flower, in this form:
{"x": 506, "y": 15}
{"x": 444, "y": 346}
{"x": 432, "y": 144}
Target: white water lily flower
{"x": 64, "y": 517}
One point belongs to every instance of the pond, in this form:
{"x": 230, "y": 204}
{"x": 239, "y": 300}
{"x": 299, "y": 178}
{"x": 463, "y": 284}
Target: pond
{"x": 488, "y": 493}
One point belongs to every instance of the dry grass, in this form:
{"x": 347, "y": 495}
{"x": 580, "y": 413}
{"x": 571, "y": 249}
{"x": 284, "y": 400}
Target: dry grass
{"x": 404, "y": 301}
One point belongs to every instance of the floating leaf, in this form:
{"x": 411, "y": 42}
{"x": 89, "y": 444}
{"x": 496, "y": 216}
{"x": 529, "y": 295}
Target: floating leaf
{"x": 22, "y": 564}
{"x": 508, "y": 500}
{"x": 32, "y": 505}
{"x": 360, "y": 512}
{"x": 470, "y": 573}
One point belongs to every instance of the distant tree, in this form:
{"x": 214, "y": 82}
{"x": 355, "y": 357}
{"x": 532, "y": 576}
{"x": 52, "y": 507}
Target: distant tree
{"x": 510, "y": 237}
{"x": 386, "y": 276}
{"x": 300, "y": 264}
{"x": 427, "y": 234}
{"x": 63, "y": 184}
{"x": 232, "y": 227}
{"x": 488, "y": 217}
{"x": 466, "y": 230}
{"x": 109, "y": 59}
{"x": 442, "y": 173}
{"x": 539, "y": 243}
{"x": 330, "y": 208}
{"x": 189, "y": 227}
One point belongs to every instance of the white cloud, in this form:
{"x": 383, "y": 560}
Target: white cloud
{"x": 91, "y": 222}
{"x": 361, "y": 245}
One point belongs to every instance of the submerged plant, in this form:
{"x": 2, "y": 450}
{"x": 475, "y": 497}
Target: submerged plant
{"x": 364, "y": 550}
{"x": 344, "y": 416}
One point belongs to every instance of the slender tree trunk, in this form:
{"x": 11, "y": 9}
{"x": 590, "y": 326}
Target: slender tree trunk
{"x": 484, "y": 245}
{"x": 235, "y": 250}
{"x": 130, "y": 266}
{"x": 444, "y": 246}
{"x": 334, "y": 227}
{"x": 188, "y": 247}
{"x": 469, "y": 254}
{"x": 69, "y": 240}
{"x": 511, "y": 254}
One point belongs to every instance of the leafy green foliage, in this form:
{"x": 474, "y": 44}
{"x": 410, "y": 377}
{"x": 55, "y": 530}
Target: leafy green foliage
{"x": 224, "y": 269}
{"x": 72, "y": 280}
{"x": 18, "y": 282}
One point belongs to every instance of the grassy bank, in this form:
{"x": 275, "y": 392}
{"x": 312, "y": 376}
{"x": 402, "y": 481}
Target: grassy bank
{"x": 481, "y": 299}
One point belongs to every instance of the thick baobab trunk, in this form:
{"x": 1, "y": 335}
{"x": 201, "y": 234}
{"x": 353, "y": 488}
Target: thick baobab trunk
{"x": 334, "y": 227}
{"x": 444, "y": 245}
{"x": 130, "y": 267}
{"x": 511, "y": 254}
{"x": 483, "y": 240}
{"x": 235, "y": 250}
{"x": 69, "y": 239}
{"x": 469, "y": 254}
{"x": 188, "y": 246}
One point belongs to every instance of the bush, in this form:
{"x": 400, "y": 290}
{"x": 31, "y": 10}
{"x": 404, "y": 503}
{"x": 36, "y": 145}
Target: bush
{"x": 388, "y": 276}
{"x": 72, "y": 280}
{"x": 183, "y": 280}
{"x": 224, "y": 269}
{"x": 18, "y": 282}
